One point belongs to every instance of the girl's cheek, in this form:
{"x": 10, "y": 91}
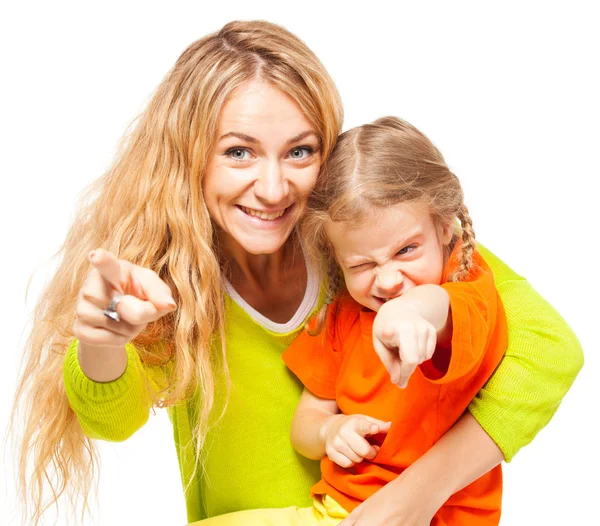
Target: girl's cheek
{"x": 363, "y": 284}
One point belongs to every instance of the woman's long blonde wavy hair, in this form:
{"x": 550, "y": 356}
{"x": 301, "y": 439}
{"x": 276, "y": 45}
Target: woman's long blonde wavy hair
{"x": 149, "y": 209}
{"x": 380, "y": 165}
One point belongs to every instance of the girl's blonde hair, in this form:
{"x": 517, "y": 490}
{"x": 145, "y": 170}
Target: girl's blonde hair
{"x": 149, "y": 209}
{"x": 380, "y": 165}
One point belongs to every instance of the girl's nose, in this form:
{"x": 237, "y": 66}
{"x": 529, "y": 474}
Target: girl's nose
{"x": 389, "y": 280}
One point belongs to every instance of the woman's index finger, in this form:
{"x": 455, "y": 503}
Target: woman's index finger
{"x": 109, "y": 268}
{"x": 154, "y": 289}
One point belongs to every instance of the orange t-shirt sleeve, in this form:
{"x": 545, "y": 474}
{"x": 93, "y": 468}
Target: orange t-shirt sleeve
{"x": 474, "y": 307}
{"x": 316, "y": 360}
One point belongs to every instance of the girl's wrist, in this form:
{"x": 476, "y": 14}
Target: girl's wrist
{"x": 326, "y": 425}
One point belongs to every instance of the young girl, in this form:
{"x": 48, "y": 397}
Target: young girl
{"x": 413, "y": 337}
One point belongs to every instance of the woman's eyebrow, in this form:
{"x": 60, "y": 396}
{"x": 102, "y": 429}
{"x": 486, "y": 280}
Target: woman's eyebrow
{"x": 301, "y": 136}
{"x": 253, "y": 140}
{"x": 248, "y": 138}
{"x": 242, "y": 136}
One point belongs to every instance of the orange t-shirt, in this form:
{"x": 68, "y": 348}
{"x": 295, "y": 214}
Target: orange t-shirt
{"x": 340, "y": 364}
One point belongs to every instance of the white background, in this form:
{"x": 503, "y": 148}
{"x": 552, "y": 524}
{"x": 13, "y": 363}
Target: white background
{"x": 509, "y": 93}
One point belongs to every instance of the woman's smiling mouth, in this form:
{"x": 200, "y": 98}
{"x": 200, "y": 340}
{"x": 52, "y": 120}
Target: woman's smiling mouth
{"x": 261, "y": 214}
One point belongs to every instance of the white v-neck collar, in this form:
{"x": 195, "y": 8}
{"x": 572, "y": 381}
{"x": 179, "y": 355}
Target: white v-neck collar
{"x": 309, "y": 302}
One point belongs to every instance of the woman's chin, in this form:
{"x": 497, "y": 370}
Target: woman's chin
{"x": 258, "y": 236}
{"x": 263, "y": 243}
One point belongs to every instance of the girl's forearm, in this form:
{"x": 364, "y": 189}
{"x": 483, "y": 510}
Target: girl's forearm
{"x": 307, "y": 435}
{"x": 462, "y": 455}
{"x": 432, "y": 303}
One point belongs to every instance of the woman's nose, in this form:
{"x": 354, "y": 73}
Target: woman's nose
{"x": 271, "y": 186}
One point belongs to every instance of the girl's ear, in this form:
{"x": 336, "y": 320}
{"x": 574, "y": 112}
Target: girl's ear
{"x": 447, "y": 232}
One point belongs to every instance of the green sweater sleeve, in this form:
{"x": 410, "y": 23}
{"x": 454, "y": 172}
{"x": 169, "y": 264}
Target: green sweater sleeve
{"x": 542, "y": 359}
{"x": 113, "y": 410}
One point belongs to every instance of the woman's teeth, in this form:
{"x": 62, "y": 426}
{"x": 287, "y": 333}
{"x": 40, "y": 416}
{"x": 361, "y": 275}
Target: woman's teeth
{"x": 263, "y": 215}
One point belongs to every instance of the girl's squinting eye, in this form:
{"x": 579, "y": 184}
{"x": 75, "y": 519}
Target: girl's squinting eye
{"x": 360, "y": 266}
{"x": 301, "y": 153}
{"x": 238, "y": 154}
{"x": 406, "y": 250}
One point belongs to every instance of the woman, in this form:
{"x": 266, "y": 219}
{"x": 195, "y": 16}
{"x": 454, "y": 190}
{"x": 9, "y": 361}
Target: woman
{"x": 206, "y": 193}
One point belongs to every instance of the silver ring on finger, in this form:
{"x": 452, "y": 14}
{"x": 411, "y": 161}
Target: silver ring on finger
{"x": 111, "y": 310}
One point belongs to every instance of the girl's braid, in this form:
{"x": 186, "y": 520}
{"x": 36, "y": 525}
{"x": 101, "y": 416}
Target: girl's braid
{"x": 334, "y": 280}
{"x": 333, "y": 286}
{"x": 468, "y": 244}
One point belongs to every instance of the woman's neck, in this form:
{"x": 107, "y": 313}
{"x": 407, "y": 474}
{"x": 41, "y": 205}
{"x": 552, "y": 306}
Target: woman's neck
{"x": 273, "y": 284}
{"x": 261, "y": 270}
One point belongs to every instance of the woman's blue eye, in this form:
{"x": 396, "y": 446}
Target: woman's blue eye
{"x": 237, "y": 154}
{"x": 302, "y": 152}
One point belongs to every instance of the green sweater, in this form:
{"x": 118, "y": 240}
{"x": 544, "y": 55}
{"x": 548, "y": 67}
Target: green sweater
{"x": 248, "y": 459}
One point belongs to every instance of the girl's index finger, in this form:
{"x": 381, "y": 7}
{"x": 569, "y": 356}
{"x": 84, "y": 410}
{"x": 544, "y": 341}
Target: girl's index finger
{"x": 389, "y": 358}
{"x": 382, "y": 426}
{"x": 109, "y": 268}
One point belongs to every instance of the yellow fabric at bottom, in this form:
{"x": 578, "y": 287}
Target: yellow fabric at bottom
{"x": 324, "y": 512}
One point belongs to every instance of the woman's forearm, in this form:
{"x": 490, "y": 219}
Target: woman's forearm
{"x": 115, "y": 410}
{"x": 541, "y": 363}
{"x": 462, "y": 455}
{"x": 102, "y": 364}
